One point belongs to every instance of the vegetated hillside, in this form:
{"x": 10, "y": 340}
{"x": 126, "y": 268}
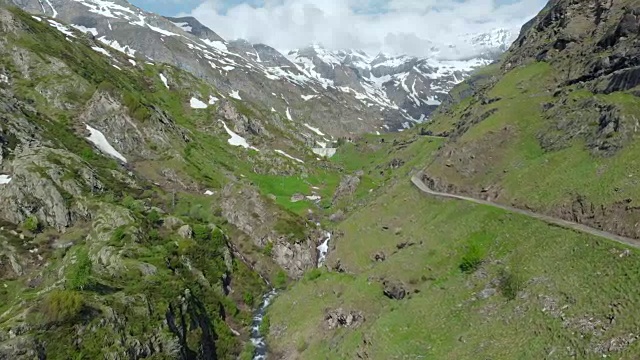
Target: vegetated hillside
{"x": 141, "y": 209}
{"x": 551, "y": 128}
{"x": 555, "y": 127}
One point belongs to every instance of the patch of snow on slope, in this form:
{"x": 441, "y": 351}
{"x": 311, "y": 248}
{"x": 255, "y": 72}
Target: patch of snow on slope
{"x": 101, "y": 142}
{"x": 92, "y": 31}
{"x": 132, "y": 62}
{"x": 37, "y": 18}
{"x": 101, "y": 51}
{"x": 289, "y": 115}
{"x": 114, "y": 44}
{"x": 237, "y": 140}
{"x": 212, "y": 100}
{"x": 216, "y": 45}
{"x": 105, "y": 8}
{"x": 315, "y": 130}
{"x": 140, "y": 21}
{"x": 197, "y": 104}
{"x": 4, "y": 79}
{"x": 63, "y": 29}
{"x": 5, "y": 179}
{"x": 308, "y": 97}
{"x": 235, "y": 94}
{"x": 289, "y": 156}
{"x": 164, "y": 80}
{"x": 324, "y": 152}
{"x": 184, "y": 26}
{"x": 161, "y": 31}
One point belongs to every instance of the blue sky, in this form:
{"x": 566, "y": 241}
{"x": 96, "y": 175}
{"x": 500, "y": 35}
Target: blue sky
{"x": 393, "y": 26}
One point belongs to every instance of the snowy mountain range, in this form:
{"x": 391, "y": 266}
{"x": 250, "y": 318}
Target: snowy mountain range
{"x": 340, "y": 92}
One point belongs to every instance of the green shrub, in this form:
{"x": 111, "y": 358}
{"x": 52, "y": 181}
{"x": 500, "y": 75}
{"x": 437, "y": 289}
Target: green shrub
{"x": 80, "y": 273}
{"x": 31, "y": 224}
{"x": 472, "y": 259}
{"x": 511, "y": 283}
{"x": 248, "y": 351}
{"x": 201, "y": 233}
{"x": 154, "y": 218}
{"x": 248, "y": 298}
{"x": 313, "y": 274}
{"x": 268, "y": 249}
{"x": 61, "y": 306}
{"x": 280, "y": 280}
{"x": 118, "y": 235}
{"x": 265, "y": 325}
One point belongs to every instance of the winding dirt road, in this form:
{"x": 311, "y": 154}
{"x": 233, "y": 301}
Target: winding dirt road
{"x": 417, "y": 181}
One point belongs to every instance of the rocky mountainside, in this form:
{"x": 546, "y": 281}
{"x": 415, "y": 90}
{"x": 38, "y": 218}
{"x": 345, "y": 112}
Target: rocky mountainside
{"x": 340, "y": 93}
{"x": 234, "y": 68}
{"x": 410, "y": 86}
{"x": 143, "y": 211}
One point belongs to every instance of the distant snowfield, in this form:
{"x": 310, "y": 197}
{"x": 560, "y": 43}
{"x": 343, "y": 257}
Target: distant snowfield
{"x": 5, "y": 179}
{"x": 213, "y": 100}
{"x": 184, "y": 26}
{"x": 100, "y": 141}
{"x": 315, "y": 130}
{"x": 289, "y": 115}
{"x": 101, "y": 51}
{"x": 126, "y": 49}
{"x": 289, "y": 156}
{"x": 197, "y": 104}
{"x": 237, "y": 140}
{"x": 63, "y": 29}
{"x": 324, "y": 152}
{"x": 92, "y": 31}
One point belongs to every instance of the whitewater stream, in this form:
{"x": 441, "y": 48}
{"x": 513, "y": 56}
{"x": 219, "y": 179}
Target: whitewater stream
{"x": 257, "y": 338}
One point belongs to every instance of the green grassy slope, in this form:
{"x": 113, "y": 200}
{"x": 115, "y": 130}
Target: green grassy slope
{"x": 556, "y": 291}
{"x": 485, "y": 283}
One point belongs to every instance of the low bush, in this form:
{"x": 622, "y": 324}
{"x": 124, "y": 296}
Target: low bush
{"x": 62, "y": 306}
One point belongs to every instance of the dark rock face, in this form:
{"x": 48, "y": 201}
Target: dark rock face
{"x": 394, "y": 290}
{"x": 590, "y": 41}
{"x": 188, "y": 316}
{"x": 195, "y": 27}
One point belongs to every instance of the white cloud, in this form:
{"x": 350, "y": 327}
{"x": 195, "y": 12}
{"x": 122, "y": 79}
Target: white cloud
{"x": 393, "y": 26}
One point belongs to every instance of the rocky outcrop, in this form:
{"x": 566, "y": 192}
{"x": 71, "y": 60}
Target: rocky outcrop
{"x": 245, "y": 208}
{"x": 340, "y": 318}
{"x": 348, "y": 186}
{"x": 394, "y": 290}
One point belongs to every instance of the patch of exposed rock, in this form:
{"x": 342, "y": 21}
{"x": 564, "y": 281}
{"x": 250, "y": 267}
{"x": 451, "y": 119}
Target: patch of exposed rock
{"x": 244, "y": 207}
{"x": 341, "y": 318}
{"x": 348, "y": 186}
{"x": 394, "y": 290}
